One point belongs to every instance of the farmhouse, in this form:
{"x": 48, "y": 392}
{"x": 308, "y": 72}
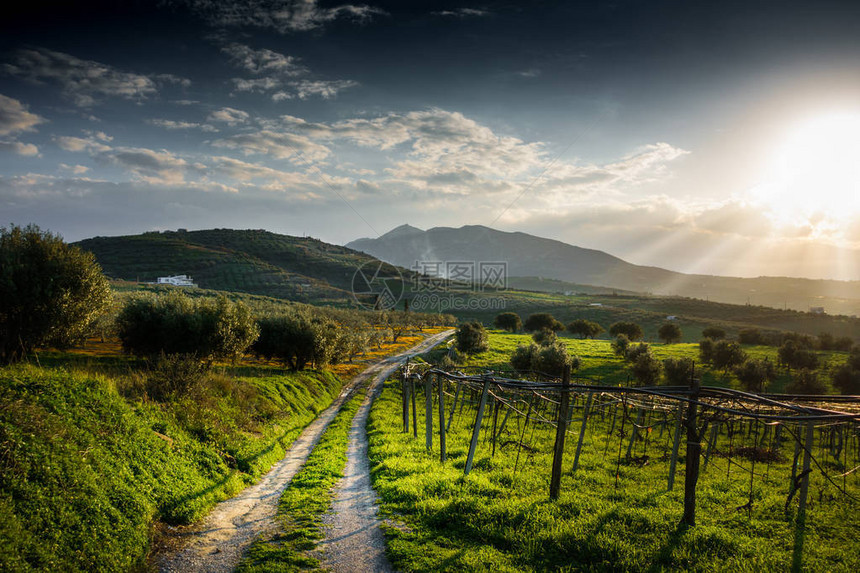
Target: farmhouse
{"x": 176, "y": 280}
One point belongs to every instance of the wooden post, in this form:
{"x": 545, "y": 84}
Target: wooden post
{"x": 807, "y": 457}
{"x": 477, "y": 429}
{"x": 505, "y": 420}
{"x": 496, "y": 404}
{"x": 715, "y": 432}
{"x": 428, "y": 411}
{"x": 675, "y": 445}
{"x": 405, "y": 397}
{"x": 634, "y": 434}
{"x": 582, "y": 431}
{"x": 694, "y": 451}
{"x": 560, "y": 433}
{"x": 442, "y": 454}
{"x": 414, "y": 410}
{"x": 454, "y": 405}
{"x": 794, "y": 461}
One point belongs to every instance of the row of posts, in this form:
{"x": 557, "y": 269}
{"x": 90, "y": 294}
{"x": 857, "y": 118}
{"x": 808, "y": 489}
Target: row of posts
{"x": 693, "y": 450}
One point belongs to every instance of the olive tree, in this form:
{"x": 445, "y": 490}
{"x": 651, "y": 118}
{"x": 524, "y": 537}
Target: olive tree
{"x": 50, "y": 292}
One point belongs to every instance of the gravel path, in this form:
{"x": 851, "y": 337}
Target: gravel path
{"x": 216, "y": 544}
{"x": 354, "y": 541}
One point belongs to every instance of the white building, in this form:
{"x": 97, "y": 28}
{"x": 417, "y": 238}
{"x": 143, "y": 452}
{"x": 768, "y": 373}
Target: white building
{"x": 176, "y": 280}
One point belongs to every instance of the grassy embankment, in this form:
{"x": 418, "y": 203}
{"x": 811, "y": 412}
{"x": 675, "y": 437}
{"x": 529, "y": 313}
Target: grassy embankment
{"x": 89, "y": 465}
{"x": 502, "y": 520}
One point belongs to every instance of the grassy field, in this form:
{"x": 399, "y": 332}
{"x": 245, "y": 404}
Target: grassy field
{"x": 614, "y": 513}
{"x": 599, "y": 363}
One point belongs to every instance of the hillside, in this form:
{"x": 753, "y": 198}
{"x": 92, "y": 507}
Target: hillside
{"x": 531, "y": 256}
{"x": 251, "y": 261}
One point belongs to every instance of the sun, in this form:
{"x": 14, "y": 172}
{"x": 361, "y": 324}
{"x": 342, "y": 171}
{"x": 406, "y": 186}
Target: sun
{"x": 813, "y": 178}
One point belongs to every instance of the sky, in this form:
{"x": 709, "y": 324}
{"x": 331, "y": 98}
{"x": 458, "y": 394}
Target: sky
{"x": 710, "y": 137}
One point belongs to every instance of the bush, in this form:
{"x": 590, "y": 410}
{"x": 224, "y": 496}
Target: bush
{"x": 636, "y": 350}
{"x": 793, "y": 355}
{"x": 174, "y": 376}
{"x": 296, "y": 341}
{"x": 51, "y": 292}
{"x": 669, "y": 333}
{"x": 541, "y": 320}
{"x": 524, "y": 356}
{"x": 750, "y": 336}
{"x": 847, "y": 380}
{"x": 472, "y": 338}
{"x": 678, "y": 371}
{"x": 727, "y": 354}
{"x": 177, "y": 324}
{"x": 584, "y": 328}
{"x": 545, "y": 337}
{"x": 714, "y": 333}
{"x": 630, "y": 329}
{"x": 755, "y": 375}
{"x": 706, "y": 350}
{"x": 551, "y": 359}
{"x": 646, "y": 369}
{"x": 620, "y": 345}
{"x": 807, "y": 382}
{"x": 509, "y": 321}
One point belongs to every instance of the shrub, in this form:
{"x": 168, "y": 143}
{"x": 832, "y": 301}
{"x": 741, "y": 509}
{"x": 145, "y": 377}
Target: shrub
{"x": 646, "y": 369}
{"x": 847, "y": 380}
{"x": 807, "y": 382}
{"x": 175, "y": 375}
{"x": 177, "y": 324}
{"x": 545, "y": 337}
{"x": 632, "y": 330}
{"x": 669, "y": 333}
{"x": 620, "y": 345}
{"x": 297, "y": 341}
{"x": 51, "y": 292}
{"x": 523, "y": 357}
{"x": 584, "y": 328}
{"x": 750, "y": 336}
{"x": 706, "y": 350}
{"x": 714, "y": 333}
{"x": 727, "y": 354}
{"x": 472, "y": 338}
{"x": 509, "y": 321}
{"x": 541, "y": 320}
{"x": 636, "y": 350}
{"x": 755, "y": 375}
{"x": 552, "y": 358}
{"x": 678, "y": 371}
{"x": 793, "y": 355}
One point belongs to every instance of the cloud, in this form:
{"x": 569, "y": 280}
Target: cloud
{"x": 27, "y": 149}
{"x": 84, "y": 81}
{"x": 463, "y": 13}
{"x": 256, "y": 84}
{"x": 14, "y": 116}
{"x": 174, "y": 125}
{"x": 76, "y": 169}
{"x": 278, "y": 145}
{"x": 150, "y": 165}
{"x": 90, "y": 144}
{"x": 326, "y": 89}
{"x": 263, "y": 61}
{"x": 280, "y": 15}
{"x": 229, "y": 115}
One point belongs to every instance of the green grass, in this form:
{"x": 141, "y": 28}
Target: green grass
{"x": 502, "y": 520}
{"x": 304, "y": 502}
{"x": 85, "y": 469}
{"x": 601, "y": 364}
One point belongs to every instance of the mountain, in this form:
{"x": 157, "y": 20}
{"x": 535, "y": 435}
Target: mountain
{"x": 530, "y": 256}
{"x": 252, "y": 261}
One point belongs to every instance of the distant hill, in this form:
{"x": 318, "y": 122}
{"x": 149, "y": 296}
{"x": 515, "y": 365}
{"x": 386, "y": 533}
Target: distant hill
{"x": 257, "y": 262}
{"x": 531, "y": 256}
